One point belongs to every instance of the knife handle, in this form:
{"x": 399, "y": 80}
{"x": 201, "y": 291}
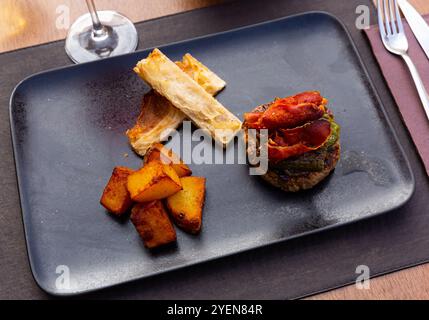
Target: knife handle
{"x": 424, "y": 97}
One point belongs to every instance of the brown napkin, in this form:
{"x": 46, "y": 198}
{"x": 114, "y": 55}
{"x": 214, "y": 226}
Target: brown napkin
{"x": 402, "y": 86}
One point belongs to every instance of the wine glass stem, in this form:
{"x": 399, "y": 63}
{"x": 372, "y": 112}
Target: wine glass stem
{"x": 97, "y": 26}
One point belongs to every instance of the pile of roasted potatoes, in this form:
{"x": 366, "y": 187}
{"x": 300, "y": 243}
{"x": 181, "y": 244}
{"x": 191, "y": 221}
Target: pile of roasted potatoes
{"x": 162, "y": 189}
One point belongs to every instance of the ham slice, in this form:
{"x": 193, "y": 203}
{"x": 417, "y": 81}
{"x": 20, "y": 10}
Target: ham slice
{"x": 288, "y": 143}
{"x": 289, "y": 112}
{"x": 295, "y": 124}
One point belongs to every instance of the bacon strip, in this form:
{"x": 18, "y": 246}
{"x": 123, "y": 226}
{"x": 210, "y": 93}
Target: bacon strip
{"x": 290, "y": 116}
{"x": 287, "y": 143}
{"x": 289, "y": 112}
{"x": 253, "y": 119}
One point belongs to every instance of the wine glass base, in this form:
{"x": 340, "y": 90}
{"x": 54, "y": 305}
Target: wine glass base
{"x": 120, "y": 37}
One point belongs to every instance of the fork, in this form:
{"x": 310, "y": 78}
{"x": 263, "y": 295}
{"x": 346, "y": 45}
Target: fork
{"x": 395, "y": 41}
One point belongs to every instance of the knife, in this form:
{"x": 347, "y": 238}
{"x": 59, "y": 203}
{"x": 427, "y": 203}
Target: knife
{"x": 418, "y": 25}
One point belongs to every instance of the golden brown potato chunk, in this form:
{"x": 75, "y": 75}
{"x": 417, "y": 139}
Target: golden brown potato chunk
{"x": 160, "y": 153}
{"x": 186, "y": 206}
{"x": 116, "y": 197}
{"x": 154, "y": 181}
{"x": 153, "y": 224}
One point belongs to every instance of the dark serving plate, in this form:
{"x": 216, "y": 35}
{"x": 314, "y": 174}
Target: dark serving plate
{"x": 68, "y": 132}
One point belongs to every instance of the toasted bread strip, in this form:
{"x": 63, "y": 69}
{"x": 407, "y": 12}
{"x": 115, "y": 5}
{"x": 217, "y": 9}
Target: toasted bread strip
{"x": 158, "y": 114}
{"x": 187, "y": 95}
{"x": 156, "y": 118}
{"x": 202, "y": 75}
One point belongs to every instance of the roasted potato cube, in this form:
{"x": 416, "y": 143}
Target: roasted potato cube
{"x": 186, "y": 206}
{"x": 160, "y": 153}
{"x": 116, "y": 197}
{"x": 154, "y": 181}
{"x": 153, "y": 223}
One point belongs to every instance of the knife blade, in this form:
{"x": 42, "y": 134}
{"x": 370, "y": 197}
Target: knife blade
{"x": 417, "y": 24}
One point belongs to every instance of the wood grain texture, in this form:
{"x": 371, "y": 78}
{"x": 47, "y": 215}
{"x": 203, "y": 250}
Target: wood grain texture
{"x": 408, "y": 284}
{"x": 421, "y": 5}
{"x": 29, "y": 22}
{"x": 25, "y": 23}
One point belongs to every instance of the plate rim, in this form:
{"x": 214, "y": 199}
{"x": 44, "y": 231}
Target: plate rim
{"x": 363, "y": 67}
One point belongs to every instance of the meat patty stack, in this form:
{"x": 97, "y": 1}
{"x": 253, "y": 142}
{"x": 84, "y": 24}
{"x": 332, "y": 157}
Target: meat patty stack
{"x": 303, "y": 144}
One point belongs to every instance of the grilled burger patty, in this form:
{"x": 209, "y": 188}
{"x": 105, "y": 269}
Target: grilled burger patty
{"x": 304, "y": 171}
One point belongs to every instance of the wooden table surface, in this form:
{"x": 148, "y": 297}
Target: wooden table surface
{"x": 28, "y": 22}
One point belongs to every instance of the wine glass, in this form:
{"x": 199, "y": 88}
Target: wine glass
{"x": 100, "y": 34}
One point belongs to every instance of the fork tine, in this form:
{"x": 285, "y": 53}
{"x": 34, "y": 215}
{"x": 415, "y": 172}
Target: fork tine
{"x": 380, "y": 19}
{"x": 386, "y": 17}
{"x": 398, "y": 18}
{"x": 392, "y": 4}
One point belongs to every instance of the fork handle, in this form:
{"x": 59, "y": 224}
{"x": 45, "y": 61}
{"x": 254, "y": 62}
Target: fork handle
{"x": 424, "y": 97}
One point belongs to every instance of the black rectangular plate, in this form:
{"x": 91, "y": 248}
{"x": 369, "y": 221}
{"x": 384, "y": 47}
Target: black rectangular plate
{"x": 68, "y": 132}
